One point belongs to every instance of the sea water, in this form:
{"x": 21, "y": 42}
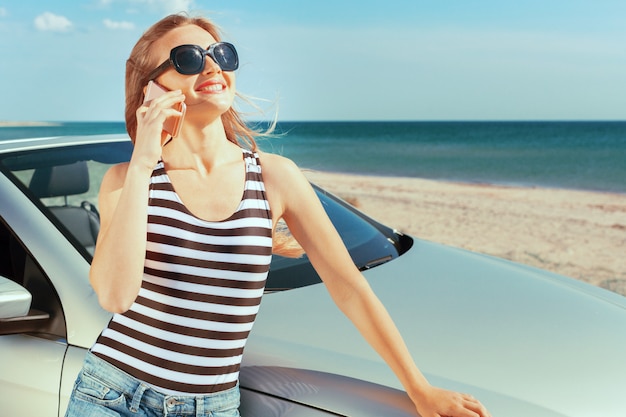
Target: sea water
{"x": 578, "y": 155}
{"x": 575, "y": 155}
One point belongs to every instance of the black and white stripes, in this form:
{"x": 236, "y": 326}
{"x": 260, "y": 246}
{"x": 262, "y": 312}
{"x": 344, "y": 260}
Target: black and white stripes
{"x": 202, "y": 286}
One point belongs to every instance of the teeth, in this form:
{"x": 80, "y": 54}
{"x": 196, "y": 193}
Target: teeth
{"x": 214, "y": 87}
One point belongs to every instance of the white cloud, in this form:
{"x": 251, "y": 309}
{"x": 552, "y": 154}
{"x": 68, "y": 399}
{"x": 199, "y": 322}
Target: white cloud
{"x": 53, "y": 23}
{"x": 110, "y": 24}
{"x": 3, "y": 12}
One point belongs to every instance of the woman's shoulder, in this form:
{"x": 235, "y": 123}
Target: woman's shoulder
{"x": 274, "y": 165}
{"x": 281, "y": 173}
{"x": 115, "y": 176}
{"x": 117, "y": 171}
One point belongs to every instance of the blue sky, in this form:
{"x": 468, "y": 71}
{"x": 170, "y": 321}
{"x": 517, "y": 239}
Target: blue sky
{"x": 334, "y": 59}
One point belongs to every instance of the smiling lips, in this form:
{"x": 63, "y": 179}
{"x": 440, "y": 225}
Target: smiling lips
{"x": 211, "y": 86}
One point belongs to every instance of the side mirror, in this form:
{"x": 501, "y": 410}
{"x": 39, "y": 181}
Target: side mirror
{"x": 14, "y": 299}
{"x": 16, "y": 315}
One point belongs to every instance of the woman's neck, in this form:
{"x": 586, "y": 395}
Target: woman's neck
{"x": 200, "y": 149}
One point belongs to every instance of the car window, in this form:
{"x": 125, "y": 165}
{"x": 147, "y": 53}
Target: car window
{"x": 64, "y": 182}
{"x": 369, "y": 243}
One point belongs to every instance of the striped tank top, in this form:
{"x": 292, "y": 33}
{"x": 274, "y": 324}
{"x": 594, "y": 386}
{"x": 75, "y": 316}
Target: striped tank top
{"x": 201, "y": 290}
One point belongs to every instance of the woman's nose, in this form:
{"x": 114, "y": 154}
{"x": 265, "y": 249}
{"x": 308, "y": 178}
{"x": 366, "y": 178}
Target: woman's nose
{"x": 211, "y": 66}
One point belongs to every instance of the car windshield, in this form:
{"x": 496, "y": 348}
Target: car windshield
{"x": 64, "y": 183}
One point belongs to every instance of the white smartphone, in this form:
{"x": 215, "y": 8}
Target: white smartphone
{"x": 172, "y": 124}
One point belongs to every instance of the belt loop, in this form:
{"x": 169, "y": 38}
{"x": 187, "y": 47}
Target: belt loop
{"x": 200, "y": 406}
{"x": 134, "y": 406}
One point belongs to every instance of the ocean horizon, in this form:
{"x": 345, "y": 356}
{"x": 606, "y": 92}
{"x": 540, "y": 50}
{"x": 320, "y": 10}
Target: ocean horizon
{"x": 583, "y": 155}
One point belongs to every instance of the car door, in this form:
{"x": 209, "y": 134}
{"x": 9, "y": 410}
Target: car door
{"x": 35, "y": 254}
{"x": 31, "y": 359}
{"x": 38, "y": 252}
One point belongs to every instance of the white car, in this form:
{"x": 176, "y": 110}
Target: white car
{"x": 524, "y": 341}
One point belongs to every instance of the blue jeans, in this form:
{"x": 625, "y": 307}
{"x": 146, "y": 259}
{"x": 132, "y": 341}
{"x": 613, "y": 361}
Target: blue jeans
{"x": 101, "y": 389}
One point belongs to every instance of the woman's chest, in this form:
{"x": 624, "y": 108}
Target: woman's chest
{"x": 212, "y": 197}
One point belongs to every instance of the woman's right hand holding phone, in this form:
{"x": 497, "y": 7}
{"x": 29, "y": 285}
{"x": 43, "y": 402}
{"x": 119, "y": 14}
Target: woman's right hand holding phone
{"x": 151, "y": 116}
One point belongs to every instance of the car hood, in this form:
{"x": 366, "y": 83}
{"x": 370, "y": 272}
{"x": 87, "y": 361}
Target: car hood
{"x": 522, "y": 340}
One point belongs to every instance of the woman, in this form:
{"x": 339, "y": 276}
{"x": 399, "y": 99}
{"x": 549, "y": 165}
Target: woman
{"x": 182, "y": 258}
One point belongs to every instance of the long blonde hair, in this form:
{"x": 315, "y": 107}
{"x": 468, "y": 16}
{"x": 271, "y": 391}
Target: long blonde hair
{"x": 141, "y": 62}
{"x": 139, "y": 65}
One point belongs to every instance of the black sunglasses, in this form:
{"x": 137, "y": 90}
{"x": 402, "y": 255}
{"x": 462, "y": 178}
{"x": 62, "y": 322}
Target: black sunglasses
{"x": 190, "y": 59}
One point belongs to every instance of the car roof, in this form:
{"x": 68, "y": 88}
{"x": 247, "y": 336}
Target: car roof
{"x": 16, "y": 145}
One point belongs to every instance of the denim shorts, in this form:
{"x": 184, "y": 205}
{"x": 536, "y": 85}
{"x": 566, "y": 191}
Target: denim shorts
{"x": 101, "y": 389}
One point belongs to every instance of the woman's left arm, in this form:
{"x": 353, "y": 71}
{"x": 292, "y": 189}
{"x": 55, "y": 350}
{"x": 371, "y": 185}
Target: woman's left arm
{"x": 302, "y": 211}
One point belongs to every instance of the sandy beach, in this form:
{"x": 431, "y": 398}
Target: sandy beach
{"x": 580, "y": 234}
{"x": 6, "y": 123}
